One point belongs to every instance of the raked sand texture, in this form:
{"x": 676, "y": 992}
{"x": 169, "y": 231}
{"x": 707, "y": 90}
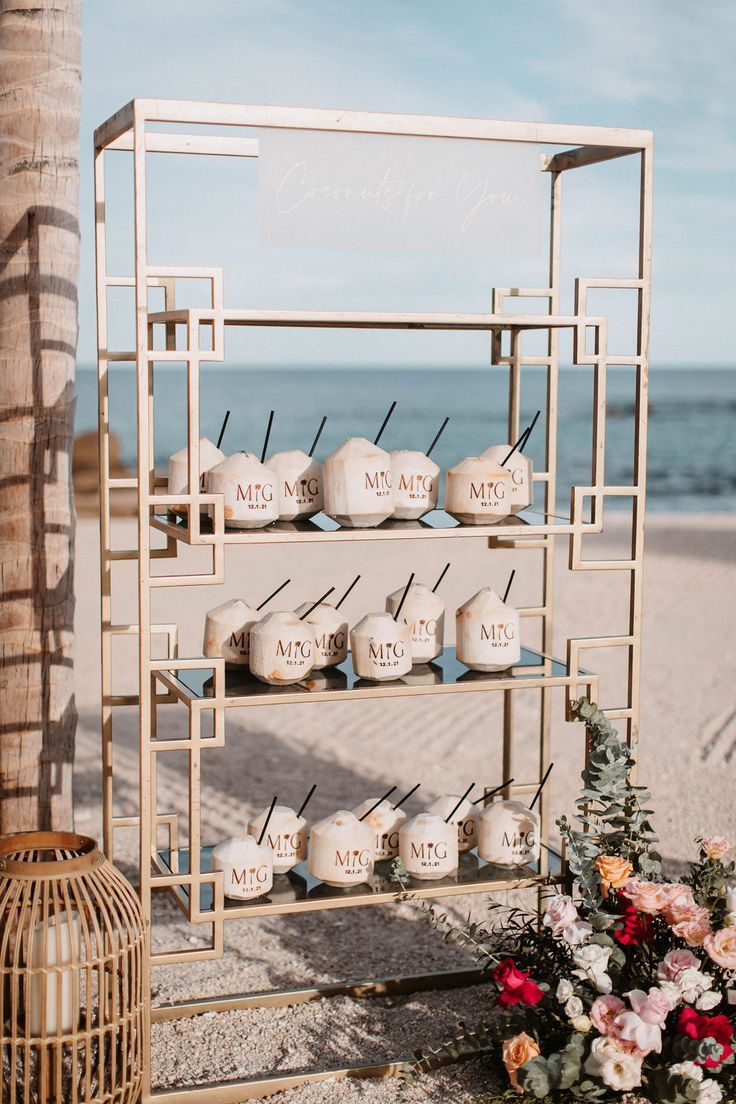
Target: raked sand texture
{"x": 354, "y": 750}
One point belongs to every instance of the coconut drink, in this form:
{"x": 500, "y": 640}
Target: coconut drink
{"x": 341, "y": 850}
{"x": 246, "y": 865}
{"x": 227, "y": 632}
{"x": 286, "y": 835}
{"x": 385, "y": 821}
{"x": 508, "y": 834}
{"x": 520, "y": 469}
{"x": 415, "y": 481}
{"x": 178, "y": 481}
{"x": 487, "y": 633}
{"x": 358, "y": 486}
{"x": 381, "y": 648}
{"x": 281, "y": 649}
{"x": 477, "y": 491}
{"x": 424, "y": 613}
{"x": 250, "y": 490}
{"x": 428, "y": 847}
{"x": 463, "y": 818}
{"x": 299, "y": 485}
{"x": 330, "y": 633}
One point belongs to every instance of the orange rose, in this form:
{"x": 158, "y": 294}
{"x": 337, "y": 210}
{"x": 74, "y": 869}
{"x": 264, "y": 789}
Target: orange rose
{"x": 721, "y": 947}
{"x": 515, "y": 1053}
{"x": 695, "y": 929}
{"x": 648, "y": 897}
{"x": 613, "y": 872}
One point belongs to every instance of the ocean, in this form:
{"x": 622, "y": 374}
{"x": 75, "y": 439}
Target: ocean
{"x": 691, "y": 455}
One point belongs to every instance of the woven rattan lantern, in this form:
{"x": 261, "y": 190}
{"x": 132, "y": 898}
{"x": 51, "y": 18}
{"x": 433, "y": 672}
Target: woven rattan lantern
{"x": 71, "y": 973}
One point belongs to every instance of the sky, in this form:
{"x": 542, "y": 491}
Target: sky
{"x": 664, "y": 65}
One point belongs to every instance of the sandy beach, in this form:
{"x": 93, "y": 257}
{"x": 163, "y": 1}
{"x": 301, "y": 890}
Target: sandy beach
{"x": 354, "y": 749}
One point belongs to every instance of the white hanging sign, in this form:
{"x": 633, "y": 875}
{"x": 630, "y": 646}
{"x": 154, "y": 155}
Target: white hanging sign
{"x": 325, "y": 189}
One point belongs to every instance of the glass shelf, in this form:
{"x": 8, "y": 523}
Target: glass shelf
{"x": 437, "y": 523}
{"x": 445, "y": 675}
{"x": 298, "y": 891}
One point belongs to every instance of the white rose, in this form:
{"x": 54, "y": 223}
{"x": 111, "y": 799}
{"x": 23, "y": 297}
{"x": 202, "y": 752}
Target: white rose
{"x": 592, "y": 963}
{"x": 617, "y": 1068}
{"x": 708, "y": 1000}
{"x": 564, "y": 990}
{"x": 559, "y": 913}
{"x": 672, "y": 992}
{"x": 581, "y": 1024}
{"x": 688, "y": 1069}
{"x": 692, "y": 983}
{"x": 577, "y": 933}
{"x": 574, "y": 1007}
{"x": 710, "y": 1092}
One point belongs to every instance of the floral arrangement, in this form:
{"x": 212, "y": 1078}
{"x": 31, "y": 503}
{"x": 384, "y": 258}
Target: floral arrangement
{"x": 630, "y": 988}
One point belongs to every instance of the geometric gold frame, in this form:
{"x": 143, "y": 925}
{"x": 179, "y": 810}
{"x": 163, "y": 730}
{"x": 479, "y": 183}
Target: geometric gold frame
{"x": 163, "y": 681}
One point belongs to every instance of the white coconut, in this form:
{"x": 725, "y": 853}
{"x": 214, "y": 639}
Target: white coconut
{"x": 463, "y": 818}
{"x": 281, "y": 649}
{"x": 209, "y": 456}
{"x": 487, "y": 632}
{"x": 508, "y": 834}
{"x": 385, "y": 821}
{"x": 428, "y": 847}
{"x": 330, "y": 633}
{"x": 250, "y": 490}
{"x": 341, "y": 850}
{"x": 416, "y": 481}
{"x": 286, "y": 835}
{"x": 424, "y": 613}
{"x": 299, "y": 484}
{"x": 247, "y": 867}
{"x": 227, "y": 632}
{"x": 477, "y": 491}
{"x": 520, "y": 468}
{"x": 381, "y": 648}
{"x": 358, "y": 487}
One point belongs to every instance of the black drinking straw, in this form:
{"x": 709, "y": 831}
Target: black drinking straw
{"x": 306, "y": 613}
{"x": 406, "y": 796}
{"x": 268, "y": 434}
{"x": 451, "y": 814}
{"x": 440, "y": 431}
{"x": 267, "y": 600}
{"x": 403, "y": 596}
{"x": 485, "y": 796}
{"x": 369, "y": 811}
{"x": 223, "y": 427}
{"x": 307, "y": 799}
{"x": 541, "y": 786}
{"x": 508, "y": 586}
{"x": 385, "y": 422}
{"x": 444, "y": 572}
{"x": 268, "y": 817}
{"x": 319, "y": 434}
{"x": 523, "y": 439}
{"x": 355, "y": 580}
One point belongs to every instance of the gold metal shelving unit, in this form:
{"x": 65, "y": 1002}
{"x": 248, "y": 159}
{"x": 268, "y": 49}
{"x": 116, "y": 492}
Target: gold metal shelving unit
{"x": 198, "y": 687}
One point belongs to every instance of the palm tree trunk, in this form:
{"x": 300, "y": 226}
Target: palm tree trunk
{"x": 40, "y": 73}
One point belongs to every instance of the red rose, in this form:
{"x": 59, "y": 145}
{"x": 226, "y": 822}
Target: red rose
{"x": 637, "y": 926}
{"x": 697, "y": 1026}
{"x": 516, "y": 985}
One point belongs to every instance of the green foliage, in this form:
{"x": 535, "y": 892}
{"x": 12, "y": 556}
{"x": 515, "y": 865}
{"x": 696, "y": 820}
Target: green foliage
{"x": 611, "y": 813}
{"x": 673, "y": 1088}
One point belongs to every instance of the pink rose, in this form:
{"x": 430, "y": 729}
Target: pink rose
{"x": 652, "y": 1007}
{"x": 721, "y": 948}
{"x": 629, "y": 1027}
{"x": 695, "y": 928}
{"x": 674, "y": 962}
{"x": 560, "y": 913}
{"x": 715, "y": 847}
{"x": 680, "y": 904}
{"x": 648, "y": 897}
{"x": 603, "y": 1012}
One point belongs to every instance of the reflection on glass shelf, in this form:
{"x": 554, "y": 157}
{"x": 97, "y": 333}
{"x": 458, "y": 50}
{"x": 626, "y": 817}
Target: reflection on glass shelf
{"x": 447, "y": 670}
{"x": 299, "y": 885}
{"x": 435, "y": 519}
